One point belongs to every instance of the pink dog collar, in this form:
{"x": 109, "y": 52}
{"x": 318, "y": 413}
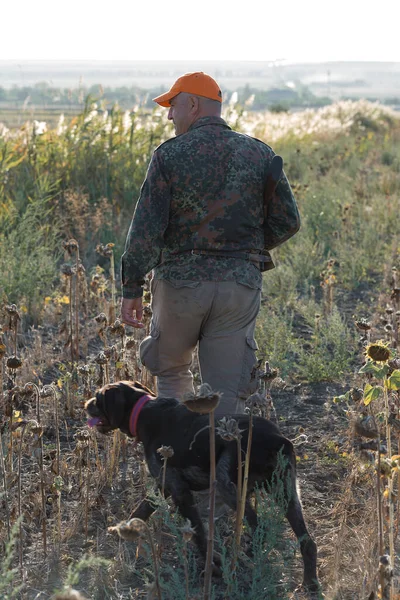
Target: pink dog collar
{"x": 136, "y": 412}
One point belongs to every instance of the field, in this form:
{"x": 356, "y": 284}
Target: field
{"x": 328, "y": 327}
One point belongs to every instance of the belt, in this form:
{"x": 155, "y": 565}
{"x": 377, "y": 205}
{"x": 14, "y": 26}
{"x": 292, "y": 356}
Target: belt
{"x": 263, "y": 261}
{"x": 252, "y": 256}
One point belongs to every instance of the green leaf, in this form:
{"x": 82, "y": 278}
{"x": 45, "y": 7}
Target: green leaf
{"x": 369, "y": 367}
{"x": 393, "y": 382}
{"x": 371, "y": 392}
{"x": 372, "y": 367}
{"x": 382, "y": 372}
{"x": 344, "y": 398}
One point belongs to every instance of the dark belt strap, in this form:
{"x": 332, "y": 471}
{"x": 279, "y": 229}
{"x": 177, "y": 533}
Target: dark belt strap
{"x": 253, "y": 257}
{"x": 263, "y": 261}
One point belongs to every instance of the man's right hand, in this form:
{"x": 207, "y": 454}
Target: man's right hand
{"x": 132, "y": 312}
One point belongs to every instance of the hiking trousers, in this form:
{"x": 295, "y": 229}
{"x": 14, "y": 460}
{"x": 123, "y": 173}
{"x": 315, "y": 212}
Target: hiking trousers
{"x": 216, "y": 317}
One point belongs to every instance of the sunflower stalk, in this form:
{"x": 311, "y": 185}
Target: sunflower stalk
{"x": 213, "y": 486}
{"x": 3, "y": 471}
{"x": 21, "y": 563}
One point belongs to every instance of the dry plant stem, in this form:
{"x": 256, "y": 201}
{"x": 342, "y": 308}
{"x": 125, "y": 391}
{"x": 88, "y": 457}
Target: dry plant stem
{"x": 398, "y": 491}
{"x": 57, "y": 429}
{"x": 15, "y": 336}
{"x": 245, "y": 480}
{"x": 390, "y": 478}
{"x": 11, "y": 453}
{"x": 87, "y": 493}
{"x": 21, "y": 564}
{"x": 164, "y": 472}
{"x": 106, "y": 374}
{"x": 76, "y": 351}
{"x": 71, "y": 333}
{"x": 114, "y": 456}
{"x": 153, "y": 552}
{"x": 59, "y": 520}
{"x": 112, "y": 279}
{"x": 159, "y": 523}
{"x": 1, "y": 385}
{"x": 210, "y": 539}
{"x": 378, "y": 491}
{"x": 42, "y": 485}
{"x": 3, "y": 470}
{"x": 185, "y": 566}
{"x": 238, "y": 505}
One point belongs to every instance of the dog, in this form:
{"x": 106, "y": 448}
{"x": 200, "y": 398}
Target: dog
{"x": 156, "y": 422}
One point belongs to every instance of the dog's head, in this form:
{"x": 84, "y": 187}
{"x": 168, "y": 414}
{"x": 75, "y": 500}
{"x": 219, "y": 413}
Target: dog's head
{"x": 112, "y": 405}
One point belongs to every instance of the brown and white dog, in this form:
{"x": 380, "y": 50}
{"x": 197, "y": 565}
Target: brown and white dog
{"x": 130, "y": 407}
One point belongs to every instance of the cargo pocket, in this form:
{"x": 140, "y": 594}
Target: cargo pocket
{"x": 249, "y": 380}
{"x": 149, "y": 352}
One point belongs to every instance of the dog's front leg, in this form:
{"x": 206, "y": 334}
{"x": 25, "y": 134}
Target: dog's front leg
{"x": 144, "y": 510}
{"x": 185, "y": 503}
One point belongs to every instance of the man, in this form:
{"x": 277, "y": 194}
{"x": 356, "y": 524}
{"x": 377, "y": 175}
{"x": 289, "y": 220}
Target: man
{"x": 199, "y": 225}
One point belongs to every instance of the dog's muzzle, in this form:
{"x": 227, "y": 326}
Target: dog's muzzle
{"x": 95, "y": 420}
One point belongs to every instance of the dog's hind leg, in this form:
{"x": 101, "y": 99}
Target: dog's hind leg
{"x": 308, "y": 547}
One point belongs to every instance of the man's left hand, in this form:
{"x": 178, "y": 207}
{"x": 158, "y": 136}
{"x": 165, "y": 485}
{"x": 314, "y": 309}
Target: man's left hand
{"x": 132, "y": 312}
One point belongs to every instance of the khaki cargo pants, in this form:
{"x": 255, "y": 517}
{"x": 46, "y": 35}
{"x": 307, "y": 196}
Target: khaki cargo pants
{"x": 218, "y": 318}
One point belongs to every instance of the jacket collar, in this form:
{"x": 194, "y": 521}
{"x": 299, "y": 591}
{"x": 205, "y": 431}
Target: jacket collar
{"x": 209, "y": 121}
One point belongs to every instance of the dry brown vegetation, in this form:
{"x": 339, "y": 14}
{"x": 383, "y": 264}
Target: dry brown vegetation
{"x": 335, "y": 291}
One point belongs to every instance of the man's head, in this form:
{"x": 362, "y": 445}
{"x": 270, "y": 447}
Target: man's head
{"x": 192, "y": 96}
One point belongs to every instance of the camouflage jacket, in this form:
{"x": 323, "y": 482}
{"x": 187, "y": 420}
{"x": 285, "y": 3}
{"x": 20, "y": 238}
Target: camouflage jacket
{"x": 204, "y": 191}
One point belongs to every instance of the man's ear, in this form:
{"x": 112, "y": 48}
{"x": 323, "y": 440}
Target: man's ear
{"x": 194, "y": 104}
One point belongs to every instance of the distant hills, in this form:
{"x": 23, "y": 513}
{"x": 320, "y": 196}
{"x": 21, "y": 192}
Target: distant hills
{"x": 373, "y": 80}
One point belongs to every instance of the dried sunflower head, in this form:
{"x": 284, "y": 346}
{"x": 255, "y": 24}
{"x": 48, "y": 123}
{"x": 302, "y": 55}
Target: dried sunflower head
{"x": 363, "y": 325}
{"x": 187, "y": 531}
{"x": 70, "y": 246}
{"x": 66, "y": 270}
{"x": 101, "y": 359}
{"x": 130, "y": 530}
{"x": 166, "y": 451}
{"x": 378, "y": 351}
{"x": 204, "y": 402}
{"x": 13, "y": 362}
{"x": 101, "y": 318}
{"x": 228, "y": 429}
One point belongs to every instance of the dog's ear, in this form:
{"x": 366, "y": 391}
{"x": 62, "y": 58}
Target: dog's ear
{"x": 139, "y": 385}
{"x": 113, "y": 403}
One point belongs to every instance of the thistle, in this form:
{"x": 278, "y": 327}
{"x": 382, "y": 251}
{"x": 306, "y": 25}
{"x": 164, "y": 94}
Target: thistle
{"x": 132, "y": 530}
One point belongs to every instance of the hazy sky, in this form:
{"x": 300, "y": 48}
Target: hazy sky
{"x": 295, "y": 30}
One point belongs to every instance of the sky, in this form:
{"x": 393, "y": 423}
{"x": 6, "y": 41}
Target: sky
{"x": 245, "y": 30}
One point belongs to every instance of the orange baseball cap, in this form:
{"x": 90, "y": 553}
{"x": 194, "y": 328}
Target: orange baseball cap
{"x": 199, "y": 84}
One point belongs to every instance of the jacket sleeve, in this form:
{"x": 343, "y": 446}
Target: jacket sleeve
{"x": 145, "y": 238}
{"x": 283, "y": 219}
